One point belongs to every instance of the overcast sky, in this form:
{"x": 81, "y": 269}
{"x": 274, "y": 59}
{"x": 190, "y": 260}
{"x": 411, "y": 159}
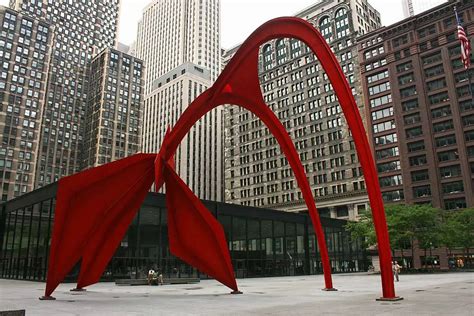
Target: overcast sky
{"x": 240, "y": 17}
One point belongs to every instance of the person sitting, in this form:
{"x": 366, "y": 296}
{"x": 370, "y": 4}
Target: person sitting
{"x": 159, "y": 278}
{"x": 150, "y": 276}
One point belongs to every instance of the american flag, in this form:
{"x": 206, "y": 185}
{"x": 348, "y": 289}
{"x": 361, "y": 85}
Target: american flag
{"x": 465, "y": 45}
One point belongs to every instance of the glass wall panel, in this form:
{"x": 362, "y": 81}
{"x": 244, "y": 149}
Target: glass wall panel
{"x": 239, "y": 245}
{"x": 259, "y": 246}
{"x": 255, "y": 254}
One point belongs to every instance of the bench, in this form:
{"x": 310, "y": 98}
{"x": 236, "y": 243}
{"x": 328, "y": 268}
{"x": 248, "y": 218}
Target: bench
{"x": 165, "y": 281}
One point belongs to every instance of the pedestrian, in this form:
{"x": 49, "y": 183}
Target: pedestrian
{"x": 396, "y": 269}
{"x": 159, "y": 277}
{"x": 151, "y": 274}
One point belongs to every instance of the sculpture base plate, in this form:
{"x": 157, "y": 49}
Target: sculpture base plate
{"x": 329, "y": 290}
{"x": 236, "y": 292}
{"x": 389, "y": 299}
{"x": 46, "y": 298}
{"x": 78, "y": 289}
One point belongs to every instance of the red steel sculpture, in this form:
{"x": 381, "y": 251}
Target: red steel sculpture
{"x": 95, "y": 207}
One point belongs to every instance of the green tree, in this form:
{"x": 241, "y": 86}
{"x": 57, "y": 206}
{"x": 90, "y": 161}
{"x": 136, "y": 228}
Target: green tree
{"x": 458, "y": 230}
{"x": 405, "y": 223}
{"x": 363, "y": 229}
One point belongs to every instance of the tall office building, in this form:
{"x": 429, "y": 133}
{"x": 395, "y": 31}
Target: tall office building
{"x": 25, "y": 46}
{"x": 114, "y": 108}
{"x": 81, "y": 29}
{"x": 197, "y": 159}
{"x": 412, "y": 7}
{"x": 421, "y": 108}
{"x": 296, "y": 88}
{"x": 179, "y": 42}
{"x": 172, "y": 32}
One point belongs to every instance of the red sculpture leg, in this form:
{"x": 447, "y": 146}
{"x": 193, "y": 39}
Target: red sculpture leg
{"x": 84, "y": 200}
{"x": 107, "y": 237}
{"x": 195, "y": 235}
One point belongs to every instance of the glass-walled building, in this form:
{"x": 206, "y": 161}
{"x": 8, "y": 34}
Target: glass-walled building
{"x": 262, "y": 242}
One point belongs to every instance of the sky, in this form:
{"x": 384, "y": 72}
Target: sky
{"x": 239, "y": 18}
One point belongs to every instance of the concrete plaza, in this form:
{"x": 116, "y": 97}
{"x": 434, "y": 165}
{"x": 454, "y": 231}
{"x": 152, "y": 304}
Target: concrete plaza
{"x": 424, "y": 294}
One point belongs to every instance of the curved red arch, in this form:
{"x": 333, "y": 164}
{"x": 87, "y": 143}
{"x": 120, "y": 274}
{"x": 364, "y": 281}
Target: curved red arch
{"x": 238, "y": 84}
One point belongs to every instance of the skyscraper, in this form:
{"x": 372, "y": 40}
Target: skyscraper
{"x": 296, "y": 88}
{"x": 25, "y": 47}
{"x": 420, "y": 108}
{"x": 198, "y": 159}
{"x": 81, "y": 29}
{"x": 114, "y": 108}
{"x": 179, "y": 42}
{"x": 172, "y": 32}
{"x": 412, "y": 7}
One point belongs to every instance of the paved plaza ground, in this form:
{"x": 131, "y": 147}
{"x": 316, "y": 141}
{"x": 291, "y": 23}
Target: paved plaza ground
{"x": 424, "y": 294}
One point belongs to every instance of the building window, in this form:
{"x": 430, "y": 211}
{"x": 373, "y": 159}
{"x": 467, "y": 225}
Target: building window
{"x": 433, "y": 58}
{"x": 466, "y": 105}
{"x": 380, "y": 101}
{"x": 468, "y": 120}
{"x": 377, "y": 115}
{"x": 379, "y": 88}
{"x": 417, "y": 160}
{"x": 342, "y": 23}
{"x": 386, "y": 139}
{"x": 374, "y": 52}
{"x": 405, "y": 79}
{"x": 450, "y": 171}
{"x": 452, "y": 187}
{"x": 325, "y": 28}
{"x": 410, "y": 105}
{"x": 470, "y": 151}
{"x": 436, "y": 84}
{"x": 434, "y": 71}
{"x": 404, "y": 67}
{"x": 342, "y": 211}
{"x": 281, "y": 51}
{"x": 441, "y": 112}
{"x": 469, "y": 136}
{"x": 388, "y": 166}
{"x": 427, "y": 31}
{"x": 438, "y": 98}
{"x": 421, "y": 191}
{"x": 416, "y": 146}
{"x": 443, "y": 126}
{"x": 385, "y": 153}
{"x": 267, "y": 57}
{"x": 452, "y": 204}
{"x": 445, "y": 141}
{"x": 377, "y": 76}
{"x": 420, "y": 175}
{"x": 414, "y": 132}
{"x": 412, "y": 119}
{"x": 390, "y": 181}
{"x": 384, "y": 126}
{"x": 407, "y": 92}
{"x": 447, "y": 155}
{"x": 400, "y": 40}
{"x": 393, "y": 196}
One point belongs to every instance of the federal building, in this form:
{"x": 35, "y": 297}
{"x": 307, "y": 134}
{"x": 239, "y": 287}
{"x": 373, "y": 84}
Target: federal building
{"x": 262, "y": 242}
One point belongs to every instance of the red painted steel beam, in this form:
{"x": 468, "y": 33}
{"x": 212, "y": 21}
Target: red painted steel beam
{"x": 238, "y": 84}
